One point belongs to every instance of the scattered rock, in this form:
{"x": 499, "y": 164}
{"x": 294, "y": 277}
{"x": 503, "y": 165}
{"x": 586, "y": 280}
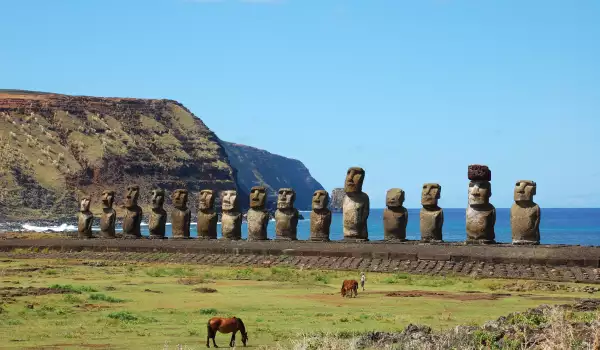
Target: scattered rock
{"x": 204, "y": 290}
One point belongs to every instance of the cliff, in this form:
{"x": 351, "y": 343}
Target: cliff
{"x": 55, "y": 148}
{"x": 257, "y": 167}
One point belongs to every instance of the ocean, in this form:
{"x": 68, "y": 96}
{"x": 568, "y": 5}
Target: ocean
{"x": 558, "y": 226}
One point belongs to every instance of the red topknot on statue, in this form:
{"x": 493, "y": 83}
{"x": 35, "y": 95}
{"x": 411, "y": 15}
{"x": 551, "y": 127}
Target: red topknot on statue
{"x": 479, "y": 173}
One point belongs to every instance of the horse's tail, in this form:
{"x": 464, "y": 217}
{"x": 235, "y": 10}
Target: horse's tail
{"x": 209, "y": 330}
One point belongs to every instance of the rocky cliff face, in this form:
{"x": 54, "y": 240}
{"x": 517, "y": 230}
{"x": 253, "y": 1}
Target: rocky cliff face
{"x": 257, "y": 167}
{"x": 56, "y": 148}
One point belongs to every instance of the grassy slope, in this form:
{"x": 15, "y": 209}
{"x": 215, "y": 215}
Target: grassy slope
{"x": 102, "y": 143}
{"x": 275, "y": 304}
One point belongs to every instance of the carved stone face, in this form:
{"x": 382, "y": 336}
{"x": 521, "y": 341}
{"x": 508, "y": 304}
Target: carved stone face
{"x": 394, "y": 198}
{"x": 286, "y": 198}
{"x": 108, "y": 198}
{"x": 230, "y": 201}
{"x": 131, "y": 196}
{"x": 207, "y": 199}
{"x": 84, "y": 204}
{"x": 430, "y": 194}
{"x": 320, "y": 200}
{"x": 258, "y": 196}
{"x": 158, "y": 198}
{"x": 354, "y": 180}
{"x": 525, "y": 190}
{"x": 180, "y": 198}
{"x": 479, "y": 193}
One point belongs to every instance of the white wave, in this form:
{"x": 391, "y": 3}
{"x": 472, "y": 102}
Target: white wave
{"x": 61, "y": 228}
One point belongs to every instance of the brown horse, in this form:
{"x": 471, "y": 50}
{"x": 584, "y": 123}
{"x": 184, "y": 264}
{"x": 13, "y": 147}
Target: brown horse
{"x": 350, "y": 286}
{"x": 225, "y": 325}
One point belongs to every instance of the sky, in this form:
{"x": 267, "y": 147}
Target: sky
{"x": 412, "y": 91}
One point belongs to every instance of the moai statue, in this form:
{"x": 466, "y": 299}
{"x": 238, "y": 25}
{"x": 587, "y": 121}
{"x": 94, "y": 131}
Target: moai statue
{"x": 181, "y": 215}
{"x": 158, "y": 215}
{"x": 481, "y": 215}
{"x": 231, "y": 219}
{"x": 85, "y": 218}
{"x": 320, "y": 217}
{"x": 395, "y": 216}
{"x": 525, "y": 214}
{"x": 431, "y": 216}
{"x": 286, "y": 216}
{"x": 207, "y": 216}
{"x": 133, "y": 213}
{"x": 109, "y": 215}
{"x": 356, "y": 206}
{"x": 258, "y": 216}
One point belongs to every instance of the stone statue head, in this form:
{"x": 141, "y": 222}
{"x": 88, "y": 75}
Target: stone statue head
{"x": 131, "y": 196}
{"x": 84, "y": 204}
{"x": 479, "y": 193}
{"x": 354, "y": 180}
{"x": 229, "y": 201}
{"x": 258, "y": 197}
{"x": 285, "y": 198}
{"x": 207, "y": 199}
{"x": 430, "y": 194}
{"x": 180, "y": 198}
{"x": 525, "y": 190}
{"x": 320, "y": 200}
{"x": 108, "y": 198}
{"x": 158, "y": 198}
{"x": 394, "y": 198}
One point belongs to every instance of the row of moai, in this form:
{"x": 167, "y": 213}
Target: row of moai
{"x": 286, "y": 215}
{"x": 525, "y": 214}
{"x": 480, "y": 215}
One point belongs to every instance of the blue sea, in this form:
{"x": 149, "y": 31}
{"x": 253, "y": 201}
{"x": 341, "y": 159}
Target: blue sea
{"x": 558, "y": 226}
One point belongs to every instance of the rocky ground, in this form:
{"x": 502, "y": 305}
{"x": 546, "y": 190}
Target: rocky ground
{"x": 543, "y": 327}
{"x": 568, "y": 326}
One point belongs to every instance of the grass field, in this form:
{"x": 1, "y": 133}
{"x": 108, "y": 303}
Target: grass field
{"x": 148, "y": 306}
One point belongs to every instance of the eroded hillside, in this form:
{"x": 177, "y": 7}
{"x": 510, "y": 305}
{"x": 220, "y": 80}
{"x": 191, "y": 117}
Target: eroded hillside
{"x": 54, "y": 148}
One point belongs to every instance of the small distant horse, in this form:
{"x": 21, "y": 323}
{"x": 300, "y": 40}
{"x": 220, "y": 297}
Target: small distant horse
{"x": 225, "y": 325}
{"x": 350, "y": 286}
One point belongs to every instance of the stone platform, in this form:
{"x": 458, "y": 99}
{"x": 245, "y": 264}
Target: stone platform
{"x": 542, "y": 262}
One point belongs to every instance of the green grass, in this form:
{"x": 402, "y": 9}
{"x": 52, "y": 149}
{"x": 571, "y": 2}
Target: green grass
{"x": 275, "y": 303}
{"x": 74, "y": 289}
{"x": 124, "y": 316}
{"x": 104, "y": 297}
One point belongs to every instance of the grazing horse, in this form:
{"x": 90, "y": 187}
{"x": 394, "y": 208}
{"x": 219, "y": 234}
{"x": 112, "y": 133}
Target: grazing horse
{"x": 350, "y": 286}
{"x": 225, "y": 325}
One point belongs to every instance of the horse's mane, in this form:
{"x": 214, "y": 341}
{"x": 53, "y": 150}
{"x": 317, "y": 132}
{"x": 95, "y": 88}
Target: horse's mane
{"x": 242, "y": 326}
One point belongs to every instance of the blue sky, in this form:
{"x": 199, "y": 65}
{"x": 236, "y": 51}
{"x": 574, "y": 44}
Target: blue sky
{"x": 413, "y": 91}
